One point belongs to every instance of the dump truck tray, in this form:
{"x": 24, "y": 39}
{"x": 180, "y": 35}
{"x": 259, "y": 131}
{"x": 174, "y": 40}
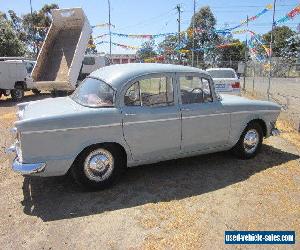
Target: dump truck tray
{"x": 60, "y": 59}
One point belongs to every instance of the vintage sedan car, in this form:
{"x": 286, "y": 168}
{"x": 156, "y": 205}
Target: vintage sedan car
{"x": 127, "y": 115}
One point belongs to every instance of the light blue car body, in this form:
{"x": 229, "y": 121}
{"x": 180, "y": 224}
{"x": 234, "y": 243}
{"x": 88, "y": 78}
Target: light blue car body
{"x": 53, "y": 131}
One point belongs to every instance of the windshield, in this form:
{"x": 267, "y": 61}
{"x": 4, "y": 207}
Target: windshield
{"x": 94, "y": 93}
{"x": 222, "y": 73}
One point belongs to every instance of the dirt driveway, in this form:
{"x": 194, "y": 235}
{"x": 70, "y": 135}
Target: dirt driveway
{"x": 180, "y": 204}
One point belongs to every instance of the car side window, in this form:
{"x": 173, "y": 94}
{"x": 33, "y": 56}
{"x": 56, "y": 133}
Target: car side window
{"x": 154, "y": 91}
{"x": 132, "y": 96}
{"x": 194, "y": 89}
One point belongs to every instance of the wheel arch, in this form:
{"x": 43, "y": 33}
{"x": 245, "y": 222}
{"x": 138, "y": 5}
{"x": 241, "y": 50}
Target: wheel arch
{"x": 262, "y": 123}
{"x": 20, "y": 84}
{"x": 95, "y": 145}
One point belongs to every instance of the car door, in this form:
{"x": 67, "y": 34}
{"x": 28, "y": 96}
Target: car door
{"x": 151, "y": 117}
{"x": 205, "y": 122}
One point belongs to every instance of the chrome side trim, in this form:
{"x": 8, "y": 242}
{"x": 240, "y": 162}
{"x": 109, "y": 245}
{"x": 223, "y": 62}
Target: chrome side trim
{"x": 151, "y": 121}
{"x": 28, "y": 168}
{"x": 147, "y": 121}
{"x": 229, "y": 113}
{"x": 67, "y": 129}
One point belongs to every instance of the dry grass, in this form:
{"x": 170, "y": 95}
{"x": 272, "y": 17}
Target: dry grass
{"x": 288, "y": 132}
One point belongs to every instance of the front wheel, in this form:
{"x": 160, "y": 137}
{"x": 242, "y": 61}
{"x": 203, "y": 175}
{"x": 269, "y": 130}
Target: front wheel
{"x": 17, "y": 94}
{"x": 98, "y": 167}
{"x": 250, "y": 141}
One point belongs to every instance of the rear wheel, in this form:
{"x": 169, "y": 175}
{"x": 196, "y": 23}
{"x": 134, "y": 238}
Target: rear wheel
{"x": 98, "y": 167}
{"x": 250, "y": 141}
{"x": 17, "y": 94}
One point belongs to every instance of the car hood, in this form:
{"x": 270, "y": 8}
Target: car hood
{"x": 248, "y": 104}
{"x": 51, "y": 107}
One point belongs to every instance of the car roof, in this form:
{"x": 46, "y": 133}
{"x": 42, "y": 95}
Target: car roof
{"x": 118, "y": 74}
{"x": 231, "y": 69}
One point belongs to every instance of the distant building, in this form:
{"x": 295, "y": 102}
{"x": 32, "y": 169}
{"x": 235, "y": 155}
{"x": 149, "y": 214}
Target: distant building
{"x": 122, "y": 58}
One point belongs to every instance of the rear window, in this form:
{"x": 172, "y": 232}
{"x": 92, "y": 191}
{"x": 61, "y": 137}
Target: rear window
{"x": 222, "y": 73}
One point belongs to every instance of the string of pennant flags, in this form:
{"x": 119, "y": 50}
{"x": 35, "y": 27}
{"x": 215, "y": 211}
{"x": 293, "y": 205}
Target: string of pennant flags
{"x": 290, "y": 15}
{"x": 253, "y": 43}
{"x": 249, "y": 19}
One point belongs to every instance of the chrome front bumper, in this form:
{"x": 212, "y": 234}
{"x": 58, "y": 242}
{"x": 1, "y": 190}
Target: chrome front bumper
{"x": 28, "y": 168}
{"x": 25, "y": 168}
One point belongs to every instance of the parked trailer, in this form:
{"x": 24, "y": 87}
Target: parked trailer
{"x": 60, "y": 59}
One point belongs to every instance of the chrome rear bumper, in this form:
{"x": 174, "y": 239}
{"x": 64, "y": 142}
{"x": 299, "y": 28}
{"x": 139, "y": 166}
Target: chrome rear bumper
{"x": 28, "y": 168}
{"x": 275, "y": 132}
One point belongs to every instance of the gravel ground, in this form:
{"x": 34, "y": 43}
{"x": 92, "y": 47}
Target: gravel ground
{"x": 180, "y": 204}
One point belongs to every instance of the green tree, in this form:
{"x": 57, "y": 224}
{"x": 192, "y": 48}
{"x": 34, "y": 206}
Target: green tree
{"x": 205, "y": 36}
{"x": 35, "y": 25}
{"x": 10, "y": 44}
{"x": 281, "y": 36}
{"x": 168, "y": 47}
{"x": 147, "y": 50}
{"x": 231, "y": 55}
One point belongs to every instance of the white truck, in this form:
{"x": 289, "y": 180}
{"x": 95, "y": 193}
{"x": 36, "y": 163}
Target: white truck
{"x": 15, "y": 77}
{"x": 60, "y": 59}
{"x": 91, "y": 62}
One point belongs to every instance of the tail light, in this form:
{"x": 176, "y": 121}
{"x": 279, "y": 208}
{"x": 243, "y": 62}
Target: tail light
{"x": 235, "y": 85}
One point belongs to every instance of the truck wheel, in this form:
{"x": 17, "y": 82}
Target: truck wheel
{"x": 59, "y": 93}
{"x": 250, "y": 141}
{"x": 98, "y": 167}
{"x": 36, "y": 91}
{"x": 17, "y": 94}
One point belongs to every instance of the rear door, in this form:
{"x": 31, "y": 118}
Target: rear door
{"x": 151, "y": 117}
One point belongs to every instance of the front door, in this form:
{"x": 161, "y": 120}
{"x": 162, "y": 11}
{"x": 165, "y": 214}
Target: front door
{"x": 151, "y": 118}
{"x": 205, "y": 124}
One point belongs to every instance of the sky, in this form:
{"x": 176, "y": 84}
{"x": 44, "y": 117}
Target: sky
{"x": 160, "y": 16}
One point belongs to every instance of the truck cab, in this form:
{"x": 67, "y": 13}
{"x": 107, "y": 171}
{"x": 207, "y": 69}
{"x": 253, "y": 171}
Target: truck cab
{"x": 15, "y": 77}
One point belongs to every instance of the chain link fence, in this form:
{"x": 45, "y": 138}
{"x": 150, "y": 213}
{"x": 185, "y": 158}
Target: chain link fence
{"x": 283, "y": 85}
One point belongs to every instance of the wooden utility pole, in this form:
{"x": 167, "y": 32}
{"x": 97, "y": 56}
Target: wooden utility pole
{"x": 179, "y": 31}
{"x": 270, "y": 50}
{"x": 246, "y": 56}
{"x": 193, "y": 51}
{"x": 109, "y": 29}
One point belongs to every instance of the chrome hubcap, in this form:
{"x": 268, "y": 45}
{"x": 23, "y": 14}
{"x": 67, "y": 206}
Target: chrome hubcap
{"x": 251, "y": 141}
{"x": 98, "y": 165}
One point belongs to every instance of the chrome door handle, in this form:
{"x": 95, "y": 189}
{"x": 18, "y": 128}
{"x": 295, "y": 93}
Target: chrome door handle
{"x": 130, "y": 114}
